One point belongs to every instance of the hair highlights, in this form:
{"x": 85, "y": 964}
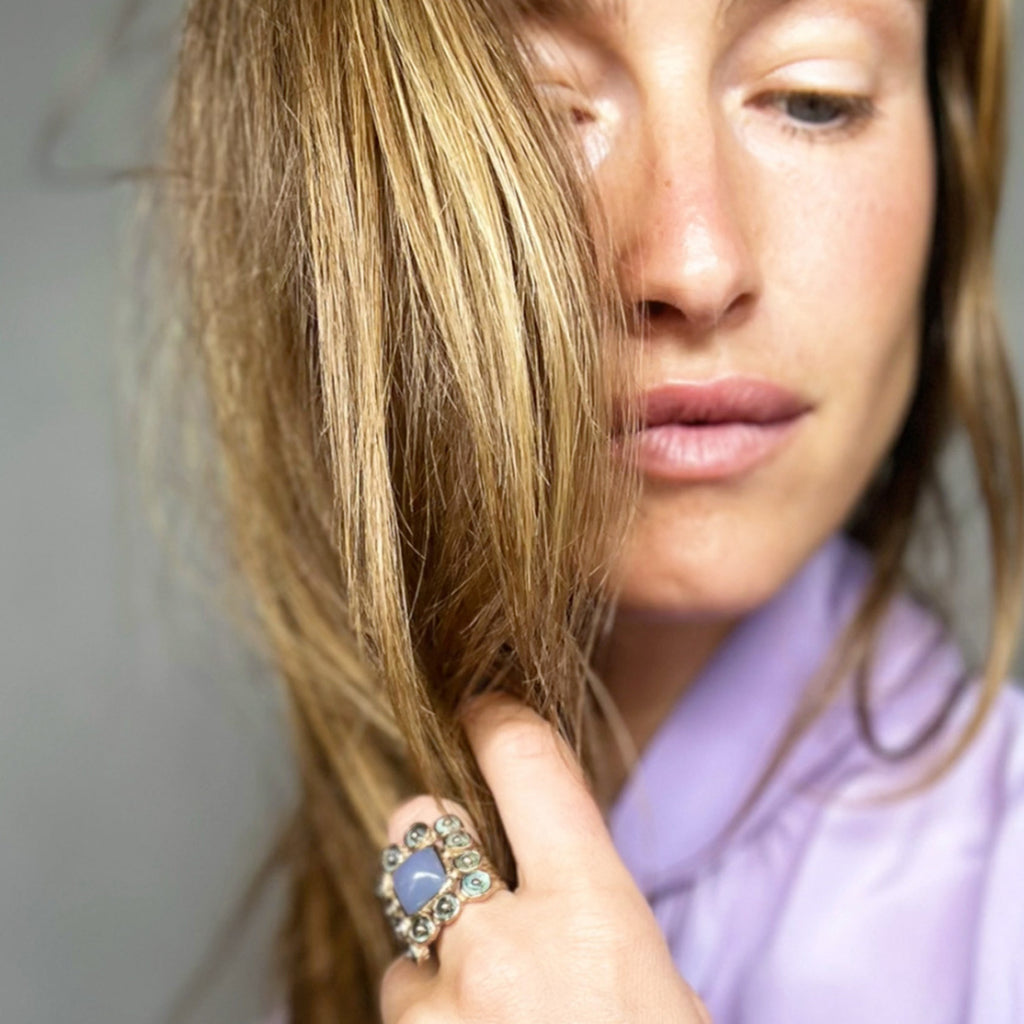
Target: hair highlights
{"x": 403, "y": 331}
{"x": 405, "y": 336}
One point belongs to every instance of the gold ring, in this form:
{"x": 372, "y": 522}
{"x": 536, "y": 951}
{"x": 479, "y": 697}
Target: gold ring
{"x": 426, "y": 879}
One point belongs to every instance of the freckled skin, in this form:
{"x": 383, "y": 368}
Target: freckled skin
{"x": 767, "y": 173}
{"x": 798, "y": 258}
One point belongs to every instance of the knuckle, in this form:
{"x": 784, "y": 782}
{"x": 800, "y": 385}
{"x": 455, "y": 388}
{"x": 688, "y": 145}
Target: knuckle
{"x": 392, "y": 977}
{"x": 403, "y": 999}
{"x": 518, "y": 740}
{"x": 494, "y": 977}
{"x": 393, "y": 984}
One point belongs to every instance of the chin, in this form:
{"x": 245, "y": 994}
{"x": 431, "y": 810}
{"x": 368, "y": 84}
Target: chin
{"x": 721, "y": 578}
{"x": 693, "y": 600}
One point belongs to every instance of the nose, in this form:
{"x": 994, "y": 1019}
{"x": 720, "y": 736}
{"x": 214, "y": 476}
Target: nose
{"x": 688, "y": 260}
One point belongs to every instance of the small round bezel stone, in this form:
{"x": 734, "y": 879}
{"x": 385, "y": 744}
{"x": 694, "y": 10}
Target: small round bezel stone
{"x": 391, "y": 858}
{"x": 457, "y": 840}
{"x": 475, "y": 884}
{"x": 449, "y": 823}
{"x": 468, "y": 861}
{"x": 417, "y": 835}
{"x": 422, "y": 928}
{"x": 446, "y": 908}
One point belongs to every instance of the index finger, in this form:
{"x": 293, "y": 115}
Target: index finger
{"x": 552, "y": 820}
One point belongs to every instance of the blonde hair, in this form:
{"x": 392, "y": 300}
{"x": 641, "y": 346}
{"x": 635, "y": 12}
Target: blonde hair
{"x": 404, "y": 335}
{"x": 401, "y": 327}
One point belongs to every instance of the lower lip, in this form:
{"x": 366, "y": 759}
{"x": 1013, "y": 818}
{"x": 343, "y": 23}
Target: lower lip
{"x": 709, "y": 451}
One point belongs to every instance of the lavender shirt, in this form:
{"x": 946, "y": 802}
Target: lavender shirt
{"x": 818, "y": 911}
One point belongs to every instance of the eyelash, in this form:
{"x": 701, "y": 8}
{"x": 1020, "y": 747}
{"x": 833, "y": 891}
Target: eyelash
{"x": 852, "y": 113}
{"x": 564, "y": 103}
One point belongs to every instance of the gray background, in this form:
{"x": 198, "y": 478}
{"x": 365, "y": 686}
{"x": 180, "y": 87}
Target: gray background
{"x": 141, "y": 774}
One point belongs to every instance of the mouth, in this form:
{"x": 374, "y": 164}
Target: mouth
{"x": 712, "y": 430}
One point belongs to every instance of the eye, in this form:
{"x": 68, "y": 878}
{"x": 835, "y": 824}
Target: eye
{"x": 568, "y": 103}
{"x": 813, "y": 108}
{"x": 580, "y": 115}
{"x": 591, "y": 121}
{"x": 809, "y": 112}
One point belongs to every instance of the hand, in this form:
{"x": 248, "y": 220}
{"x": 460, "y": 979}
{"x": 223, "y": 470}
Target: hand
{"x": 576, "y": 943}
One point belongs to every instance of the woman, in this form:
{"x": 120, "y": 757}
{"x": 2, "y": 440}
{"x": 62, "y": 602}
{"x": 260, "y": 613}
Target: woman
{"x": 454, "y": 272}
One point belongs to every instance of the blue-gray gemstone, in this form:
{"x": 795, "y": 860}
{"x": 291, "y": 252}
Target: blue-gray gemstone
{"x": 419, "y": 879}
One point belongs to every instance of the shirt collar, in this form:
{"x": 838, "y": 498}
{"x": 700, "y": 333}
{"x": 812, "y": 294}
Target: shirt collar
{"x": 706, "y": 757}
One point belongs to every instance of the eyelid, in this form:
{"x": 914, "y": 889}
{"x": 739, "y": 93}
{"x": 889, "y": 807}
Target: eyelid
{"x": 600, "y": 107}
{"x": 825, "y": 75}
{"x": 567, "y": 97}
{"x": 554, "y": 55}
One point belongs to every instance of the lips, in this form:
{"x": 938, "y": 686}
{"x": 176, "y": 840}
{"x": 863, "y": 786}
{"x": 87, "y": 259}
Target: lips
{"x": 713, "y": 430}
{"x": 730, "y": 400}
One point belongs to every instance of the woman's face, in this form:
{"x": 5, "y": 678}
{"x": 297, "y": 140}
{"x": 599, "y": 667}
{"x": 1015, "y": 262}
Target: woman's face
{"x": 766, "y": 170}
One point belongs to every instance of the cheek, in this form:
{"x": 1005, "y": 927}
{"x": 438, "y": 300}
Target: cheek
{"x": 844, "y": 244}
{"x": 851, "y": 246}
{"x": 849, "y": 249}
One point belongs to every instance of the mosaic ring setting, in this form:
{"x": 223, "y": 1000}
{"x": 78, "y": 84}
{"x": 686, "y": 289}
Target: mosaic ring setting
{"x": 426, "y": 879}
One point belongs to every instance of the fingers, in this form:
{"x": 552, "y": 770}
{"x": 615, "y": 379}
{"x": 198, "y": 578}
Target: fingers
{"x": 556, "y": 830}
{"x": 403, "y": 986}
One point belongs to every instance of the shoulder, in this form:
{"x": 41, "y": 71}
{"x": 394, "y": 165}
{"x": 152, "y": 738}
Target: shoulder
{"x": 940, "y": 872}
{"x": 906, "y": 910}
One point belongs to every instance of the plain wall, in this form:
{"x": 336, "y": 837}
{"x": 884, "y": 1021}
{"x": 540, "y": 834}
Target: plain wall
{"x": 141, "y": 770}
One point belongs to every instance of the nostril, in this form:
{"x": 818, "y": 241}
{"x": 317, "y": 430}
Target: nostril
{"x": 739, "y": 307}
{"x": 655, "y": 310}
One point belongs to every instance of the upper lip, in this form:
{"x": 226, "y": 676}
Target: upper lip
{"x": 725, "y": 400}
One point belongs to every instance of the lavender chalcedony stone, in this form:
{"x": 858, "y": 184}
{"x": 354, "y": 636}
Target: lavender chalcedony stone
{"x": 419, "y": 879}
